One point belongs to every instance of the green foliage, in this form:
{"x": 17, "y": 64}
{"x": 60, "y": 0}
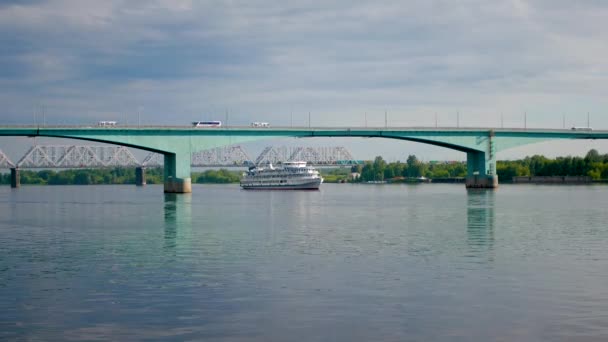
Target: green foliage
{"x": 593, "y": 165}
{"x": 506, "y": 170}
{"x": 593, "y": 156}
{"x": 335, "y": 175}
{"x": 561, "y": 166}
{"x": 155, "y": 176}
{"x": 446, "y": 170}
{"x": 83, "y": 176}
{"x": 217, "y": 176}
{"x": 379, "y": 170}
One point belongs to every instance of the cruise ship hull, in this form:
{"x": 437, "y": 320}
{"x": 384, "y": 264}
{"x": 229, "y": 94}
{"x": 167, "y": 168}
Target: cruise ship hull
{"x": 313, "y": 185}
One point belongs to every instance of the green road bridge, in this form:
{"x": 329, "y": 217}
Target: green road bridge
{"x": 178, "y": 143}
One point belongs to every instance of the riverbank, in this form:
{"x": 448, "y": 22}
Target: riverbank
{"x": 113, "y": 176}
{"x": 223, "y": 176}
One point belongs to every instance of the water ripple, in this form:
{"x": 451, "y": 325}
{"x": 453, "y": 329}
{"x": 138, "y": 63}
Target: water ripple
{"x": 391, "y": 263}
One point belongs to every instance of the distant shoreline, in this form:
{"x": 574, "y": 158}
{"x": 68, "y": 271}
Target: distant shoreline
{"x": 595, "y": 182}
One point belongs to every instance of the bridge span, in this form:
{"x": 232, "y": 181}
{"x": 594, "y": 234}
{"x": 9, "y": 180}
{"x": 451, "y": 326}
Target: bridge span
{"x": 177, "y": 144}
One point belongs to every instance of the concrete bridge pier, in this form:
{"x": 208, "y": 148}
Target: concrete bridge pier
{"x": 482, "y": 182}
{"x": 140, "y": 176}
{"x": 481, "y": 172}
{"x": 177, "y": 173}
{"x": 15, "y": 179}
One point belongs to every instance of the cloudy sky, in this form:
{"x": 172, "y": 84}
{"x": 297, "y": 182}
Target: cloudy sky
{"x": 343, "y": 61}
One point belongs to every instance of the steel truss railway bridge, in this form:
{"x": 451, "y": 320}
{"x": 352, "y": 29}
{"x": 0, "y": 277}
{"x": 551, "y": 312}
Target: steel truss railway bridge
{"x": 177, "y": 144}
{"x": 88, "y": 156}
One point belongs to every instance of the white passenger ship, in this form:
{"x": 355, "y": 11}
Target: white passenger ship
{"x": 290, "y": 176}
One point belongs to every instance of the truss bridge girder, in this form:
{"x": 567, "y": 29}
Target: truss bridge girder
{"x": 221, "y": 156}
{"x": 5, "y": 162}
{"x": 273, "y": 155}
{"x": 328, "y": 155}
{"x": 72, "y": 156}
{"x": 153, "y": 160}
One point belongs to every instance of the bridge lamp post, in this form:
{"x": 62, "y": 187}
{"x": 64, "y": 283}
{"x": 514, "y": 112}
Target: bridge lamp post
{"x": 139, "y": 109}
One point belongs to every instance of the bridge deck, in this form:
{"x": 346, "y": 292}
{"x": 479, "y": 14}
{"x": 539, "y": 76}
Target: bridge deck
{"x": 10, "y": 130}
{"x": 177, "y": 143}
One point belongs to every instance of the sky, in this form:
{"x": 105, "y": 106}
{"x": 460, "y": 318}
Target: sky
{"x": 346, "y": 62}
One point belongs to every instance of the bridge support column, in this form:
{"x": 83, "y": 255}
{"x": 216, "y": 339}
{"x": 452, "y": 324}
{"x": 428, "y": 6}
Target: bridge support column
{"x": 140, "y": 176}
{"x": 15, "y": 179}
{"x": 481, "y": 172}
{"x": 177, "y": 173}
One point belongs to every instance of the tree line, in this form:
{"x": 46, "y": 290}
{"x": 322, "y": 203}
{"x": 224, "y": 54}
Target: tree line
{"x": 112, "y": 176}
{"x": 593, "y": 165}
{"x": 83, "y": 176}
{"x": 380, "y": 170}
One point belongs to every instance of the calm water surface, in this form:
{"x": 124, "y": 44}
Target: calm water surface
{"x": 347, "y": 263}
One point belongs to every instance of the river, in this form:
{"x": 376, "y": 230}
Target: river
{"x": 428, "y": 262}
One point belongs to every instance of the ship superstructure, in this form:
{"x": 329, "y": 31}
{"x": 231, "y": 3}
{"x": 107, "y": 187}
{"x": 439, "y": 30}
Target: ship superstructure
{"x": 293, "y": 175}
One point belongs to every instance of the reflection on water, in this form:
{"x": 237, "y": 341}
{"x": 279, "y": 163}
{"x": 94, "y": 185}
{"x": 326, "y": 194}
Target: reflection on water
{"x": 347, "y": 263}
{"x": 480, "y": 221}
{"x": 178, "y": 214}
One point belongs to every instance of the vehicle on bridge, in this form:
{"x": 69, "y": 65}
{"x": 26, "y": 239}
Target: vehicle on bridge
{"x": 260, "y": 125}
{"x": 198, "y": 124}
{"x": 293, "y": 175}
{"x": 106, "y": 124}
{"x": 588, "y": 129}
{"x": 177, "y": 143}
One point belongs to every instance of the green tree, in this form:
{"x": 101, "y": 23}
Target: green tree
{"x": 593, "y": 156}
{"x": 217, "y": 176}
{"x": 507, "y": 170}
{"x": 414, "y": 167}
{"x": 82, "y": 178}
{"x": 379, "y": 166}
{"x": 388, "y": 173}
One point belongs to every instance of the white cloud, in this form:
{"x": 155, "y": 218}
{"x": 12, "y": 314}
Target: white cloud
{"x": 337, "y": 59}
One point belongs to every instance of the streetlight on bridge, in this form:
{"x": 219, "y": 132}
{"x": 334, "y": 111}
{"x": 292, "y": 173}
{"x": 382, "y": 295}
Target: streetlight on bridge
{"x": 139, "y": 109}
